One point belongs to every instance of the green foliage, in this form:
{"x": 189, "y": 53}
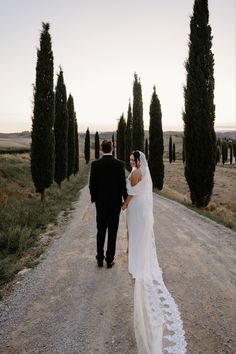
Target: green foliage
{"x": 97, "y": 146}
{"x": 120, "y": 136}
{"x": 87, "y": 146}
{"x": 128, "y": 137}
{"x": 71, "y": 136}
{"x": 231, "y": 152}
{"x": 61, "y": 131}
{"x": 234, "y": 150}
{"x": 218, "y": 150}
{"x": 22, "y": 216}
{"x": 13, "y": 150}
{"x": 173, "y": 152}
{"x": 113, "y": 144}
{"x": 170, "y": 149}
{"x": 199, "y": 113}
{"x": 146, "y": 149}
{"x": 183, "y": 150}
{"x": 43, "y": 142}
{"x": 138, "y": 129}
{"x": 224, "y": 151}
{"x": 76, "y": 164}
{"x": 156, "y": 145}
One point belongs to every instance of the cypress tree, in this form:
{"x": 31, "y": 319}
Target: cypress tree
{"x": 87, "y": 146}
{"x": 218, "y": 151}
{"x": 61, "y": 131}
{"x": 71, "y": 136}
{"x": 138, "y": 129}
{"x": 170, "y": 149}
{"x": 199, "y": 113}
{"x": 42, "y": 135}
{"x": 231, "y": 152}
{"x": 120, "y": 136}
{"x": 97, "y": 146}
{"x": 224, "y": 151}
{"x": 234, "y": 150}
{"x": 76, "y": 164}
{"x": 128, "y": 139}
{"x": 146, "y": 149}
{"x": 183, "y": 150}
{"x": 174, "y": 152}
{"x": 156, "y": 146}
{"x": 113, "y": 144}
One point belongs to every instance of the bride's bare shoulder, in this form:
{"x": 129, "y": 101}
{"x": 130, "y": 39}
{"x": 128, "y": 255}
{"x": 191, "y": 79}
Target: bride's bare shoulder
{"x": 135, "y": 177}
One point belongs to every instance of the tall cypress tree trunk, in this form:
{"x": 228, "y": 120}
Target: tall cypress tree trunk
{"x": 128, "y": 139}
{"x": 42, "y": 135}
{"x": 71, "y": 136}
{"x": 146, "y": 149}
{"x": 138, "y": 129}
{"x": 61, "y": 131}
{"x": 156, "y": 146}
{"x": 76, "y": 164}
{"x": 113, "y": 144}
{"x": 120, "y": 136}
{"x": 173, "y": 149}
{"x": 97, "y": 146}
{"x": 170, "y": 150}
{"x": 199, "y": 114}
{"x": 87, "y": 146}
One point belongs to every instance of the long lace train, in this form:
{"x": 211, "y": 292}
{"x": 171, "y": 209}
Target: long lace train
{"x": 157, "y": 322}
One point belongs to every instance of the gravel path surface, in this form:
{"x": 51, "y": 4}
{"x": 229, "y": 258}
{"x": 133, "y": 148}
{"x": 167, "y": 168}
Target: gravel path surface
{"x": 198, "y": 259}
{"x": 69, "y": 305}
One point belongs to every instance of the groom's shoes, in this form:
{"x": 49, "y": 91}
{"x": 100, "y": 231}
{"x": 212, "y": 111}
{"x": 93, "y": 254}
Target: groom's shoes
{"x": 109, "y": 265}
{"x": 100, "y": 263}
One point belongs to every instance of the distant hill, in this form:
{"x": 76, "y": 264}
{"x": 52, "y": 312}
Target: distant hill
{"x": 24, "y": 134}
{"x": 23, "y": 139}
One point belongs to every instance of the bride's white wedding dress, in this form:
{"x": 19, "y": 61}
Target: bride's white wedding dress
{"x": 157, "y": 322}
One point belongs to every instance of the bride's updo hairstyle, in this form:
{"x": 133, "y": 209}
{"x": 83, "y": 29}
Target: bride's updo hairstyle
{"x": 136, "y": 155}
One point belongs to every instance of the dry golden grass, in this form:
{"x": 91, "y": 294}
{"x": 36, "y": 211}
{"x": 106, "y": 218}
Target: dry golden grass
{"x": 222, "y": 206}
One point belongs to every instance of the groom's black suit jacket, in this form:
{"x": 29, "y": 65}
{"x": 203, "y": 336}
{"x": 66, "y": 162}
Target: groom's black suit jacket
{"x": 107, "y": 182}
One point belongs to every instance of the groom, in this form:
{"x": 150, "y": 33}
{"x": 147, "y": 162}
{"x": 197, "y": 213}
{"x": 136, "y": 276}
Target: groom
{"x": 107, "y": 187}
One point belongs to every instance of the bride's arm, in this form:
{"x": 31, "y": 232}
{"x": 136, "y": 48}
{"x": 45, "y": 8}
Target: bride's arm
{"x": 135, "y": 177}
{"x": 127, "y": 200}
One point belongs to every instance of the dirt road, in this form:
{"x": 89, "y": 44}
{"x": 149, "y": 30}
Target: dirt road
{"x": 68, "y": 305}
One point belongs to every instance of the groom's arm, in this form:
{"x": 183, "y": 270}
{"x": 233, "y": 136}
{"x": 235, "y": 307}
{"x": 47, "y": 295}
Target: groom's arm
{"x": 123, "y": 183}
{"x": 92, "y": 183}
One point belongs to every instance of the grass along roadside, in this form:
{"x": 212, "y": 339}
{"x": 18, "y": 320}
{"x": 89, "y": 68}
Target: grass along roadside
{"x": 23, "y": 217}
{"x": 217, "y": 216}
{"x": 222, "y": 207}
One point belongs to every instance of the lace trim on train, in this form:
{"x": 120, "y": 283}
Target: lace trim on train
{"x": 161, "y": 318}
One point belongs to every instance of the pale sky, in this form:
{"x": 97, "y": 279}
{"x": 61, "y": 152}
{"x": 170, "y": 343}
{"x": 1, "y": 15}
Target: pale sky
{"x": 100, "y": 44}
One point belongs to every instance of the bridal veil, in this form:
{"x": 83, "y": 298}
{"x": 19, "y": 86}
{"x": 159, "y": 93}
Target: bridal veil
{"x": 157, "y": 322}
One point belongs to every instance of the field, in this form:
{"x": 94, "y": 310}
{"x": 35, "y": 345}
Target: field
{"x": 26, "y": 224}
{"x": 222, "y": 207}
{"x": 23, "y": 218}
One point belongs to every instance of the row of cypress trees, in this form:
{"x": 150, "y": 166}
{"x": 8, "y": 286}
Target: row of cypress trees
{"x": 226, "y": 150}
{"x": 130, "y": 134}
{"x": 199, "y": 143}
{"x": 54, "y": 145}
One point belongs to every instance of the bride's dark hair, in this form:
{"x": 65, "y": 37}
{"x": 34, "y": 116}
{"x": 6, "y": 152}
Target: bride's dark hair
{"x": 136, "y": 155}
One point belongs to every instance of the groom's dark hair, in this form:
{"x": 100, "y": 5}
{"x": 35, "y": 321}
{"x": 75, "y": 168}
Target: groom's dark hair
{"x": 106, "y": 146}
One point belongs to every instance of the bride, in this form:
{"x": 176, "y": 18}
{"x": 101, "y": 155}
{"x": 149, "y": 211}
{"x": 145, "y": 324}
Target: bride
{"x": 157, "y": 322}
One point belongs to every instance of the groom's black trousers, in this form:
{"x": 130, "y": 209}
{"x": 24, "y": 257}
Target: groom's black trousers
{"x": 107, "y": 219}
